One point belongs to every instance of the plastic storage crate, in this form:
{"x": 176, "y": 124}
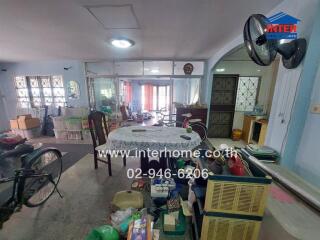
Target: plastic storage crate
{"x": 86, "y": 135}
{"x": 229, "y": 228}
{"x": 75, "y": 135}
{"x": 60, "y": 134}
{"x": 85, "y": 123}
{"x": 74, "y": 124}
{"x": 74, "y": 112}
{"x": 233, "y": 206}
{"x": 59, "y": 123}
{"x": 237, "y": 195}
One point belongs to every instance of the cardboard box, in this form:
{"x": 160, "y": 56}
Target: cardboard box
{"x": 25, "y": 116}
{"x": 169, "y": 223}
{"x": 28, "y": 123}
{"x": 14, "y": 124}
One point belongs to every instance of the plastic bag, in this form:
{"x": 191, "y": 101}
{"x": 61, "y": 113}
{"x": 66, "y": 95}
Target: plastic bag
{"x": 120, "y": 215}
{"x": 105, "y": 232}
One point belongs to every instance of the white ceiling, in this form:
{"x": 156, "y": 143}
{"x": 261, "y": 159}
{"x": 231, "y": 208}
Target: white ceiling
{"x": 65, "y": 29}
{"x": 238, "y": 54}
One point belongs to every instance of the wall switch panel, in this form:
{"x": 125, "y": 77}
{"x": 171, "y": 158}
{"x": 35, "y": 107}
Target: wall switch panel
{"x": 315, "y": 108}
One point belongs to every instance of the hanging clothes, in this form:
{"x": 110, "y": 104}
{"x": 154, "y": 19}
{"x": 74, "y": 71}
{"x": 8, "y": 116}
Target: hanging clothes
{"x": 148, "y": 97}
{"x": 128, "y": 93}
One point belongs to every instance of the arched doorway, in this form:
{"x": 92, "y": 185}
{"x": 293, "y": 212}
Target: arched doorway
{"x": 241, "y": 94}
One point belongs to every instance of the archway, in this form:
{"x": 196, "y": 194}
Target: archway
{"x": 241, "y": 95}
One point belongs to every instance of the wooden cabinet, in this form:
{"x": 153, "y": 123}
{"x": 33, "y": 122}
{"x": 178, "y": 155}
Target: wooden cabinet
{"x": 196, "y": 112}
{"x": 259, "y": 131}
{"x": 247, "y": 127}
{"x": 254, "y": 130}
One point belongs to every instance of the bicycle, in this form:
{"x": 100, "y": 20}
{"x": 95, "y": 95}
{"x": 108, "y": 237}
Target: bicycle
{"x": 36, "y": 180}
{"x": 196, "y": 124}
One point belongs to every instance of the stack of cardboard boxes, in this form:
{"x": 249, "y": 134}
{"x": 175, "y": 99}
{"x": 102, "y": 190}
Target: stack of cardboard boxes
{"x": 26, "y": 126}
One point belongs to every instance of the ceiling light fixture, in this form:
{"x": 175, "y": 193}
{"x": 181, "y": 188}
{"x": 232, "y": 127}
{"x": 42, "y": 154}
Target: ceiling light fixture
{"x": 122, "y": 42}
{"x": 220, "y": 70}
{"x": 155, "y": 71}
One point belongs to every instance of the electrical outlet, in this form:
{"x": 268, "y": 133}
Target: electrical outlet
{"x": 315, "y": 108}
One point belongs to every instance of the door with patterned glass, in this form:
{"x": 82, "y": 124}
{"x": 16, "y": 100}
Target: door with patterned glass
{"x": 223, "y": 101}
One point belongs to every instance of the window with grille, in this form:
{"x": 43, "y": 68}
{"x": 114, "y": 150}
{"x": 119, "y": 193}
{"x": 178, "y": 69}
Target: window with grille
{"x": 38, "y": 91}
{"x": 247, "y": 93}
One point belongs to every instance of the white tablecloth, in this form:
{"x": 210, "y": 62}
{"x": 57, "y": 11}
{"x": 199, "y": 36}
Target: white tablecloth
{"x": 154, "y": 138}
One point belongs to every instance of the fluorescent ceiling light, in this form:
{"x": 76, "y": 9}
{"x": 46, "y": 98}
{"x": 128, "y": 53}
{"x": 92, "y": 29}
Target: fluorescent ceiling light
{"x": 258, "y": 70}
{"x": 122, "y": 42}
{"x": 220, "y": 70}
{"x": 154, "y": 70}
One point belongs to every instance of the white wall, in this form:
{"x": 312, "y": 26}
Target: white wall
{"x": 249, "y": 68}
{"x": 307, "y": 162}
{"x": 76, "y": 72}
{"x": 301, "y": 150}
{"x": 4, "y": 124}
{"x": 286, "y": 79}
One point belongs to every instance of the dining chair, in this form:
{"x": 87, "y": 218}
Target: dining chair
{"x": 124, "y": 113}
{"x": 127, "y": 119}
{"x": 99, "y": 132}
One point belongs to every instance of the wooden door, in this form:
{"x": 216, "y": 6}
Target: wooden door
{"x": 223, "y": 101}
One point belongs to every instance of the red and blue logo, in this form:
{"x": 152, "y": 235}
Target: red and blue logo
{"x": 282, "y": 26}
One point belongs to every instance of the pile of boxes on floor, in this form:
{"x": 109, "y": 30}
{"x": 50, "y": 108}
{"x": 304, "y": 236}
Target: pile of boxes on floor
{"x": 72, "y": 125}
{"x": 26, "y": 126}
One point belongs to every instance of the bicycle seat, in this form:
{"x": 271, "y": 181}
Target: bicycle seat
{"x": 18, "y": 151}
{"x": 187, "y": 115}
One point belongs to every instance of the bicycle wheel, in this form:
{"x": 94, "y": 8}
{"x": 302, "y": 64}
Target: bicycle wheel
{"x": 201, "y": 129}
{"x": 48, "y": 167}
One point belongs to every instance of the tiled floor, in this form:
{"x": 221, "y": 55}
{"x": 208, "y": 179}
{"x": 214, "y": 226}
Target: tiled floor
{"x": 87, "y": 195}
{"x": 216, "y": 142}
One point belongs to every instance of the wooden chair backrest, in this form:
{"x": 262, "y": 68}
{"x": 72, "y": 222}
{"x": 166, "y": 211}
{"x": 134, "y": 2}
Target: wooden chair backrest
{"x": 98, "y": 128}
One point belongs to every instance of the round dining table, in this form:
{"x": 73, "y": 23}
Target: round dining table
{"x": 153, "y": 138}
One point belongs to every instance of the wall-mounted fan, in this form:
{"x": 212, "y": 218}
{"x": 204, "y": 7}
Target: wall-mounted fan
{"x": 263, "y": 51}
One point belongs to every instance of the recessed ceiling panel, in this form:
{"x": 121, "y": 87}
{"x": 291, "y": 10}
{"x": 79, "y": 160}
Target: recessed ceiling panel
{"x": 115, "y": 16}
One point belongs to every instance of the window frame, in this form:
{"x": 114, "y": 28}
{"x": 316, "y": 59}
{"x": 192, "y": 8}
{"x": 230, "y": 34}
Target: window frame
{"x": 39, "y": 79}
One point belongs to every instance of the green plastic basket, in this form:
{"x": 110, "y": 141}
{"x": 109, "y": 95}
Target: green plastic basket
{"x": 74, "y": 124}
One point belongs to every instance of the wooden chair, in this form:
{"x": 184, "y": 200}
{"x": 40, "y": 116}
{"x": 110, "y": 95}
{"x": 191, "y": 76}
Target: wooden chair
{"x": 99, "y": 132}
{"x": 126, "y": 116}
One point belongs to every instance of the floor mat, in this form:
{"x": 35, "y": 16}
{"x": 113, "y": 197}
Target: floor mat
{"x": 74, "y": 152}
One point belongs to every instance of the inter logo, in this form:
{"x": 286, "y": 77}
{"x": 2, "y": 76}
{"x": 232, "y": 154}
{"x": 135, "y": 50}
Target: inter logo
{"x": 282, "y": 26}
